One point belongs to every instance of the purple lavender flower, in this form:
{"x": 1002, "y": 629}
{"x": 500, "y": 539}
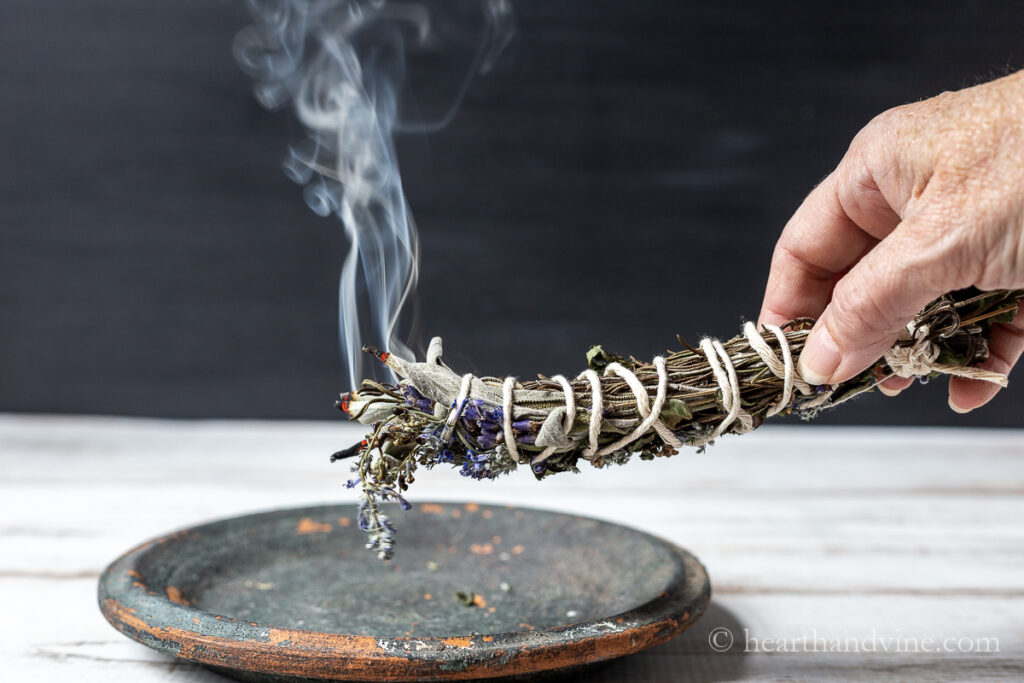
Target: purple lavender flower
{"x": 477, "y": 470}
{"x": 363, "y": 516}
{"x": 473, "y": 410}
{"x": 477, "y": 412}
{"x": 488, "y": 438}
{"x": 473, "y": 456}
{"x": 417, "y": 400}
{"x": 391, "y": 494}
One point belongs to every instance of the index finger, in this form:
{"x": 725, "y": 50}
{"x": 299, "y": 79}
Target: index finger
{"x": 819, "y": 243}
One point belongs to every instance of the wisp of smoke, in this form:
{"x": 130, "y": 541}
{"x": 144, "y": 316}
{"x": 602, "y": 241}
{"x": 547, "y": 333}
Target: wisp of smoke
{"x": 341, "y": 65}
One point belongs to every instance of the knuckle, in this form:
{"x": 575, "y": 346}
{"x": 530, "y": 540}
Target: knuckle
{"x": 885, "y": 122}
{"x": 935, "y": 249}
{"x": 966, "y": 243}
{"x": 786, "y": 259}
{"x": 862, "y": 200}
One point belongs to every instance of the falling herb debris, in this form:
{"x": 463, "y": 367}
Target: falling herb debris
{"x": 433, "y": 417}
{"x": 470, "y": 599}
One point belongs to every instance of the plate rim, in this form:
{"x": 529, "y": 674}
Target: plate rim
{"x": 227, "y": 642}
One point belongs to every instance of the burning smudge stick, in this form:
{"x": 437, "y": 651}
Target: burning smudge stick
{"x": 488, "y": 426}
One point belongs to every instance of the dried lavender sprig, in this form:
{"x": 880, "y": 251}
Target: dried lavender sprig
{"x": 425, "y": 420}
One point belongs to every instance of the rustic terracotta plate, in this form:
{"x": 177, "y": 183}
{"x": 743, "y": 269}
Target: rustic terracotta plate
{"x": 474, "y": 591}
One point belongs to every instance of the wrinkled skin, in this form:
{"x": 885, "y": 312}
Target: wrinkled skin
{"x": 928, "y": 199}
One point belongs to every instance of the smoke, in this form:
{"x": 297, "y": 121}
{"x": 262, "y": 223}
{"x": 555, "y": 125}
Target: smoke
{"x": 341, "y": 64}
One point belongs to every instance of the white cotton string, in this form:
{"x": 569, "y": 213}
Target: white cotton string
{"x": 918, "y": 359}
{"x": 783, "y": 369}
{"x": 651, "y": 414}
{"x": 973, "y": 373}
{"x": 913, "y": 360}
{"x": 570, "y": 416}
{"x": 789, "y": 365}
{"x": 711, "y": 353}
{"x": 728, "y": 383}
{"x": 664, "y": 432}
{"x": 457, "y": 407}
{"x": 742, "y": 416}
{"x": 506, "y": 408}
{"x": 596, "y": 410}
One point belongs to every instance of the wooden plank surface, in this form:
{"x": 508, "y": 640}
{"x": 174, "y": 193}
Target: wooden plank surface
{"x": 865, "y": 541}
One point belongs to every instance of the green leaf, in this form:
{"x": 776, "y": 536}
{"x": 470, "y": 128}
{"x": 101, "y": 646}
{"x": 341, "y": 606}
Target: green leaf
{"x": 598, "y": 359}
{"x": 1005, "y": 317}
{"x": 951, "y": 357}
{"x": 675, "y": 412}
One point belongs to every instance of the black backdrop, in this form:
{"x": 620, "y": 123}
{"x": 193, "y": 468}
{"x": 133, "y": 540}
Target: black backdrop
{"x": 620, "y": 177}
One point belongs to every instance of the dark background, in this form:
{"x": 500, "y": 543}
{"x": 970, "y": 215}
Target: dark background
{"x": 621, "y": 176}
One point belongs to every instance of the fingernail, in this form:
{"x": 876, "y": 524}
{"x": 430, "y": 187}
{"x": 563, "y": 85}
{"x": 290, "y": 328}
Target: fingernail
{"x": 820, "y": 357}
{"x": 889, "y": 392}
{"x": 957, "y": 409}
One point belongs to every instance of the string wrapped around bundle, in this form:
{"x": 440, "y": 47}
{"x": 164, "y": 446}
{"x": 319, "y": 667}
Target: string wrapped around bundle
{"x": 622, "y": 407}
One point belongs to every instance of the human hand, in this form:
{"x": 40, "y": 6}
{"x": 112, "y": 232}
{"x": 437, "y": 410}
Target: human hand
{"x": 928, "y": 199}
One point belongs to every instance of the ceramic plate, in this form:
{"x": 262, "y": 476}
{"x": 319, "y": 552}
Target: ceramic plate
{"x": 474, "y": 591}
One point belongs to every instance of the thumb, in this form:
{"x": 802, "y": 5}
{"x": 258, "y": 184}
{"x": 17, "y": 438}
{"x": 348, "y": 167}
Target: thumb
{"x": 872, "y": 304}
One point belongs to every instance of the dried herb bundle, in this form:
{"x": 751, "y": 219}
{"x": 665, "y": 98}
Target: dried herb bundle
{"x": 623, "y": 407}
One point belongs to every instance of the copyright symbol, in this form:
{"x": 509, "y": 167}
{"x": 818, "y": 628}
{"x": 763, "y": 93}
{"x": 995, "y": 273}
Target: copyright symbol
{"x": 720, "y": 639}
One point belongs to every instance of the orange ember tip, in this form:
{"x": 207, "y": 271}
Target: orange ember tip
{"x": 382, "y": 356}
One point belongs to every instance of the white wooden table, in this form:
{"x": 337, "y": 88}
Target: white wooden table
{"x": 846, "y": 554}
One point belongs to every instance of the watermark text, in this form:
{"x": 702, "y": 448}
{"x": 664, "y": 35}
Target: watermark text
{"x": 722, "y": 639}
